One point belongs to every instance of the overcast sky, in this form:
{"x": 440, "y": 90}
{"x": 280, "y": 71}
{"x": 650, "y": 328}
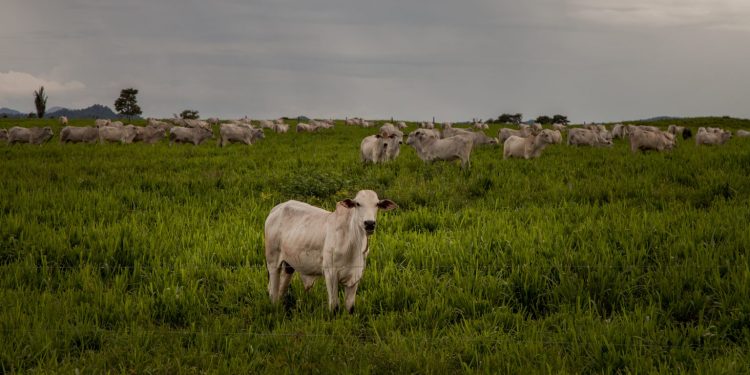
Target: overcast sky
{"x": 593, "y": 60}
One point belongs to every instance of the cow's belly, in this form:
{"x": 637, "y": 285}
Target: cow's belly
{"x": 304, "y": 252}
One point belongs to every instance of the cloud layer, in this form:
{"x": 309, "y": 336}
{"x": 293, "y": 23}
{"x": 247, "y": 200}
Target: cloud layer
{"x": 592, "y": 60}
{"x": 19, "y": 84}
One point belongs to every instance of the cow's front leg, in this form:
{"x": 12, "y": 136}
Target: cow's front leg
{"x": 350, "y": 293}
{"x": 273, "y": 281}
{"x": 332, "y": 285}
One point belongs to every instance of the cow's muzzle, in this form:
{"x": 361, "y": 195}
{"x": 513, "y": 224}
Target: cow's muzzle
{"x": 369, "y": 226}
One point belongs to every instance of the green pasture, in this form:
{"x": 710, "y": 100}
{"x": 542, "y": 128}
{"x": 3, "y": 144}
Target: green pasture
{"x": 149, "y": 259}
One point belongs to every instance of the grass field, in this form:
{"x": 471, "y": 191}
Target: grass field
{"x": 139, "y": 259}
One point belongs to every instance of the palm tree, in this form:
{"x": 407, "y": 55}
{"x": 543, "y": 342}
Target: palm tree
{"x": 40, "y": 101}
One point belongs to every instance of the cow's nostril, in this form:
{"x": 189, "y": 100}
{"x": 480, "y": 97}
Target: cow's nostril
{"x": 369, "y": 224}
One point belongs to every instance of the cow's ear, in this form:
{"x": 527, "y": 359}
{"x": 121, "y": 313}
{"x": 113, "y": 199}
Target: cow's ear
{"x": 387, "y": 205}
{"x": 349, "y": 203}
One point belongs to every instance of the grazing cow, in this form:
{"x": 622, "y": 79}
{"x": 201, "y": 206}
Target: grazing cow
{"x": 63, "y": 120}
{"x": 158, "y": 124}
{"x": 619, "y": 131}
{"x": 650, "y": 140}
{"x": 320, "y": 124}
{"x": 306, "y": 128}
{"x": 536, "y": 128}
{"x": 430, "y": 148}
{"x": 149, "y": 134}
{"x": 527, "y": 147}
{"x": 427, "y": 125}
{"x": 401, "y": 125}
{"x": 230, "y": 133}
{"x": 480, "y": 126}
{"x": 118, "y": 124}
{"x": 102, "y": 122}
{"x": 506, "y": 133}
{"x": 34, "y": 136}
{"x": 77, "y": 134}
{"x": 4, "y": 135}
{"x": 743, "y": 133}
{"x": 556, "y": 136}
{"x": 196, "y": 136}
{"x": 712, "y": 136}
{"x": 478, "y": 138}
{"x": 315, "y": 242}
{"x": 124, "y": 134}
{"x": 680, "y": 130}
{"x": 281, "y": 128}
{"x": 588, "y": 137}
{"x": 267, "y": 124}
{"x": 191, "y": 123}
{"x": 559, "y": 127}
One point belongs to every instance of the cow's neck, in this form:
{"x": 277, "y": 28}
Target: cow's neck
{"x": 354, "y": 232}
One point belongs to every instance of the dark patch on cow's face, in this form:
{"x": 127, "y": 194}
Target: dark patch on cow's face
{"x": 349, "y": 203}
{"x": 369, "y": 226}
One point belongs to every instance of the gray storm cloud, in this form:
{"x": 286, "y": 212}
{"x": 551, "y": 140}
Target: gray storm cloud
{"x": 592, "y": 60}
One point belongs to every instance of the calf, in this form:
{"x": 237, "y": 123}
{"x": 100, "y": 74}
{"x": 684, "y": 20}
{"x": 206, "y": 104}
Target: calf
{"x": 315, "y": 242}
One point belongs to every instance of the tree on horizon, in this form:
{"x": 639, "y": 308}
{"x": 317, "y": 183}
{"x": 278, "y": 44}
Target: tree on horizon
{"x": 127, "y": 104}
{"x": 40, "y": 102}
{"x": 189, "y": 114}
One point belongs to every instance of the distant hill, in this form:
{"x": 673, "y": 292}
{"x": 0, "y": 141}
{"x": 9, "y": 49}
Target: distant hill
{"x": 659, "y": 118}
{"x": 10, "y": 112}
{"x": 95, "y": 111}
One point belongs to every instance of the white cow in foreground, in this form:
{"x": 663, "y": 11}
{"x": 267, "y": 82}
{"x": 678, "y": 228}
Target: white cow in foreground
{"x": 315, "y": 242}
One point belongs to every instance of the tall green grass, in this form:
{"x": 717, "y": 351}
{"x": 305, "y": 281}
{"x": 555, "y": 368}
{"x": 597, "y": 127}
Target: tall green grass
{"x": 139, "y": 258}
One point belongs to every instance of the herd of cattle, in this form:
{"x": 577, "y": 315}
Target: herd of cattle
{"x": 527, "y": 141}
{"x": 430, "y": 144}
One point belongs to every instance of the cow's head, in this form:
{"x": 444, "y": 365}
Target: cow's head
{"x": 365, "y": 207}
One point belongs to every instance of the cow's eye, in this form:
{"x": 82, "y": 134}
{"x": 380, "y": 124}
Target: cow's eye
{"x": 357, "y": 204}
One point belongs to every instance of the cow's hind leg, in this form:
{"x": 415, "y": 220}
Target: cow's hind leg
{"x": 285, "y": 277}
